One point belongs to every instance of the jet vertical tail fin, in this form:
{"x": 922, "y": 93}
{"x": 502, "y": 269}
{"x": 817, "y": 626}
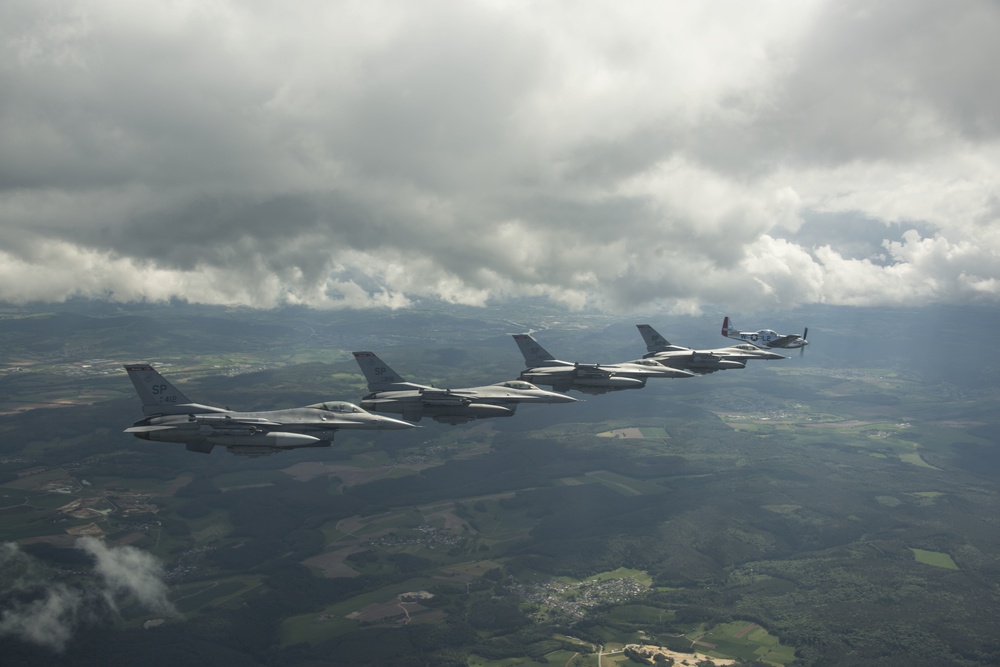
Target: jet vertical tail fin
{"x": 654, "y": 341}
{"x": 378, "y": 374}
{"x": 158, "y": 396}
{"x": 534, "y": 354}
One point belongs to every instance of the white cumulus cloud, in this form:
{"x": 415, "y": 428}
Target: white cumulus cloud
{"x": 374, "y": 154}
{"x": 45, "y": 612}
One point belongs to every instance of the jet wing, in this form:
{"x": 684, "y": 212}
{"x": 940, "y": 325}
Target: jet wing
{"x": 147, "y": 429}
{"x": 576, "y": 370}
{"x": 374, "y": 403}
{"x": 227, "y": 420}
{"x": 591, "y": 371}
{"x": 443, "y": 397}
{"x": 546, "y": 373}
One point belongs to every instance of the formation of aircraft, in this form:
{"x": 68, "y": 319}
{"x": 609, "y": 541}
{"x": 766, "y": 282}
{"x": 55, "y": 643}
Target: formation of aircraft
{"x": 699, "y": 361}
{"x": 765, "y": 338}
{"x": 172, "y": 417}
{"x": 391, "y": 393}
{"x": 545, "y": 369}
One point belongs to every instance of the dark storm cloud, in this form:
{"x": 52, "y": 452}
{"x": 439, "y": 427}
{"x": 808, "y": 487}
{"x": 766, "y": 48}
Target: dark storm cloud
{"x": 341, "y": 154}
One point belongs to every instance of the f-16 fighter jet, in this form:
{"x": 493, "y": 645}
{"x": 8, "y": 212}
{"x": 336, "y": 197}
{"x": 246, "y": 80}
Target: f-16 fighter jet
{"x": 765, "y": 338}
{"x": 699, "y": 361}
{"x": 545, "y": 369}
{"x": 172, "y": 417}
{"x": 391, "y": 393}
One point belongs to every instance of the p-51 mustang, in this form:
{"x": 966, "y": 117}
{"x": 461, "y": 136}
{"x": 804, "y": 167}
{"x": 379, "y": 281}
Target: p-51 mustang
{"x": 545, "y": 369}
{"x": 172, "y": 417}
{"x": 699, "y": 361}
{"x": 765, "y": 338}
{"x": 391, "y": 393}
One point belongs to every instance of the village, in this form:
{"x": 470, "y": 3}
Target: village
{"x": 133, "y": 513}
{"x": 573, "y": 599}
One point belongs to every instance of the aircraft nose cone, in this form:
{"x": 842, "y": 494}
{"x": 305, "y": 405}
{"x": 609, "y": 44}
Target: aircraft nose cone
{"x": 388, "y": 423}
{"x": 562, "y": 398}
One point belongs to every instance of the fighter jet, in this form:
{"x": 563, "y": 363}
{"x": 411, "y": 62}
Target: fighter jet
{"x": 765, "y": 338}
{"x": 391, "y": 393}
{"x": 545, "y": 369}
{"x": 172, "y": 417}
{"x": 699, "y": 361}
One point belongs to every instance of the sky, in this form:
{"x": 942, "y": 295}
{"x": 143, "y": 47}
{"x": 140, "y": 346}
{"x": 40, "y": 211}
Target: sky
{"x": 607, "y": 156}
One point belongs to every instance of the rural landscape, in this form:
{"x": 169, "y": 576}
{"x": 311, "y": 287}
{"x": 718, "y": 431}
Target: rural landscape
{"x": 835, "y": 508}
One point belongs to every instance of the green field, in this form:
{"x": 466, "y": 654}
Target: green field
{"x": 767, "y": 512}
{"x": 193, "y": 597}
{"x": 935, "y": 558}
{"x": 332, "y": 620}
{"x": 748, "y": 641}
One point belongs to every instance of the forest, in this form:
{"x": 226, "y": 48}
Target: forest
{"x": 846, "y": 513}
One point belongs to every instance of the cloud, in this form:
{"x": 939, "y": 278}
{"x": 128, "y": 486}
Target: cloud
{"x": 47, "y": 613}
{"x": 48, "y": 621}
{"x": 126, "y": 570}
{"x": 375, "y": 154}
{"x": 37, "y": 609}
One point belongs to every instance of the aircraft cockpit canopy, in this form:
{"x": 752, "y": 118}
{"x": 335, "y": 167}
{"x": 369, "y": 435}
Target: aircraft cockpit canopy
{"x": 518, "y": 384}
{"x": 341, "y": 407}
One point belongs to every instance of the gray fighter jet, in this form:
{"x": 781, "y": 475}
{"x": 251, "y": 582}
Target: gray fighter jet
{"x": 172, "y": 417}
{"x": 545, "y": 369}
{"x": 391, "y": 393}
{"x": 699, "y": 361}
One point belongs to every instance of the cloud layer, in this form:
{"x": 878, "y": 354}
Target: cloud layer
{"x": 45, "y": 612}
{"x": 359, "y": 154}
